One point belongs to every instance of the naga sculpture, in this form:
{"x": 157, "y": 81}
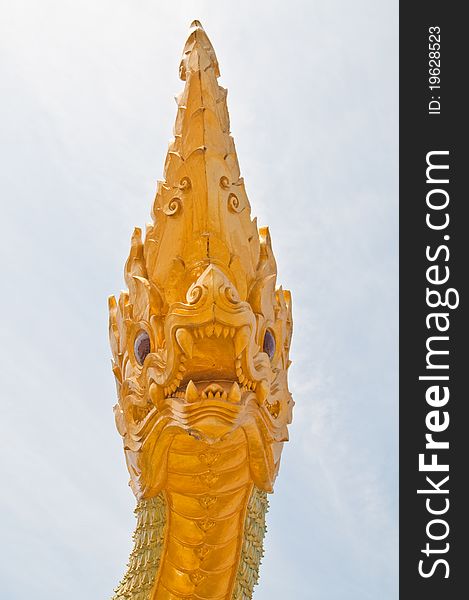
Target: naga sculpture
{"x": 200, "y": 348}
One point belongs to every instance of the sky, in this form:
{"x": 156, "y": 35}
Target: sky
{"x": 86, "y": 111}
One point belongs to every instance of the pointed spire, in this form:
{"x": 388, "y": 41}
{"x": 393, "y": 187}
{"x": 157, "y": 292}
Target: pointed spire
{"x": 198, "y": 52}
{"x": 201, "y": 211}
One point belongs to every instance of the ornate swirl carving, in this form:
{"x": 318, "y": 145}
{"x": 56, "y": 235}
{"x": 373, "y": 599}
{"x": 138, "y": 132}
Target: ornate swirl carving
{"x": 224, "y": 182}
{"x": 234, "y": 204}
{"x": 232, "y": 295}
{"x": 194, "y": 294}
{"x": 173, "y": 206}
{"x": 185, "y": 184}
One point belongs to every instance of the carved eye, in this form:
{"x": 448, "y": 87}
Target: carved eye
{"x": 142, "y": 346}
{"x": 269, "y": 344}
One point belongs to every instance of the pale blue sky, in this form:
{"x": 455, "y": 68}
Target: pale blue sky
{"x": 86, "y": 110}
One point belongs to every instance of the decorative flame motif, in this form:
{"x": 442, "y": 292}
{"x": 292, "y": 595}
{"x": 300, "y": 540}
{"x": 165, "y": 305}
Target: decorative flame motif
{"x": 203, "y": 401}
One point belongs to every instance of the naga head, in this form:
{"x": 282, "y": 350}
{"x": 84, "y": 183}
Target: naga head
{"x": 201, "y": 339}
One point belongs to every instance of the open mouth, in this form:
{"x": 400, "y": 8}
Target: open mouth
{"x": 216, "y": 361}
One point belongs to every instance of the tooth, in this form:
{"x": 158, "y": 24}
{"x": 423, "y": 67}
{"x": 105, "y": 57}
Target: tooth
{"x": 209, "y": 330}
{"x": 179, "y": 376}
{"x": 191, "y": 395}
{"x": 185, "y": 340}
{"x": 254, "y": 385}
{"x": 182, "y": 368}
{"x": 232, "y": 331}
{"x": 210, "y": 394}
{"x": 195, "y": 332}
{"x": 262, "y": 391}
{"x": 165, "y": 390}
{"x": 226, "y": 331}
{"x": 241, "y": 378}
{"x": 204, "y": 394}
{"x": 174, "y": 386}
{"x": 201, "y": 333}
{"x": 238, "y": 363}
{"x": 241, "y": 339}
{"x": 156, "y": 393}
{"x": 235, "y": 393}
{"x": 218, "y": 329}
{"x": 217, "y": 394}
{"x": 183, "y": 359}
{"x": 239, "y": 371}
{"x": 224, "y": 396}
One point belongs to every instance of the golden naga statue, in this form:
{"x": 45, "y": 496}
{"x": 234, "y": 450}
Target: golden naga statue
{"x": 200, "y": 345}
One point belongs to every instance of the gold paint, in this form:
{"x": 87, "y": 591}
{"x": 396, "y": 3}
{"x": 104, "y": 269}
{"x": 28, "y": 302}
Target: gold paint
{"x": 202, "y": 409}
{"x": 252, "y": 550}
{"x": 144, "y": 560}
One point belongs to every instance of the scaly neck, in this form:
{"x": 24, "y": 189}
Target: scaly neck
{"x": 201, "y": 538}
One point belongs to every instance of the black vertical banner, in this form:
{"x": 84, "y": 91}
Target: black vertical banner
{"x": 434, "y": 356}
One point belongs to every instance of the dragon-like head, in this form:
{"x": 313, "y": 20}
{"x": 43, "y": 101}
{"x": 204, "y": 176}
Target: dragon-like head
{"x": 200, "y": 341}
